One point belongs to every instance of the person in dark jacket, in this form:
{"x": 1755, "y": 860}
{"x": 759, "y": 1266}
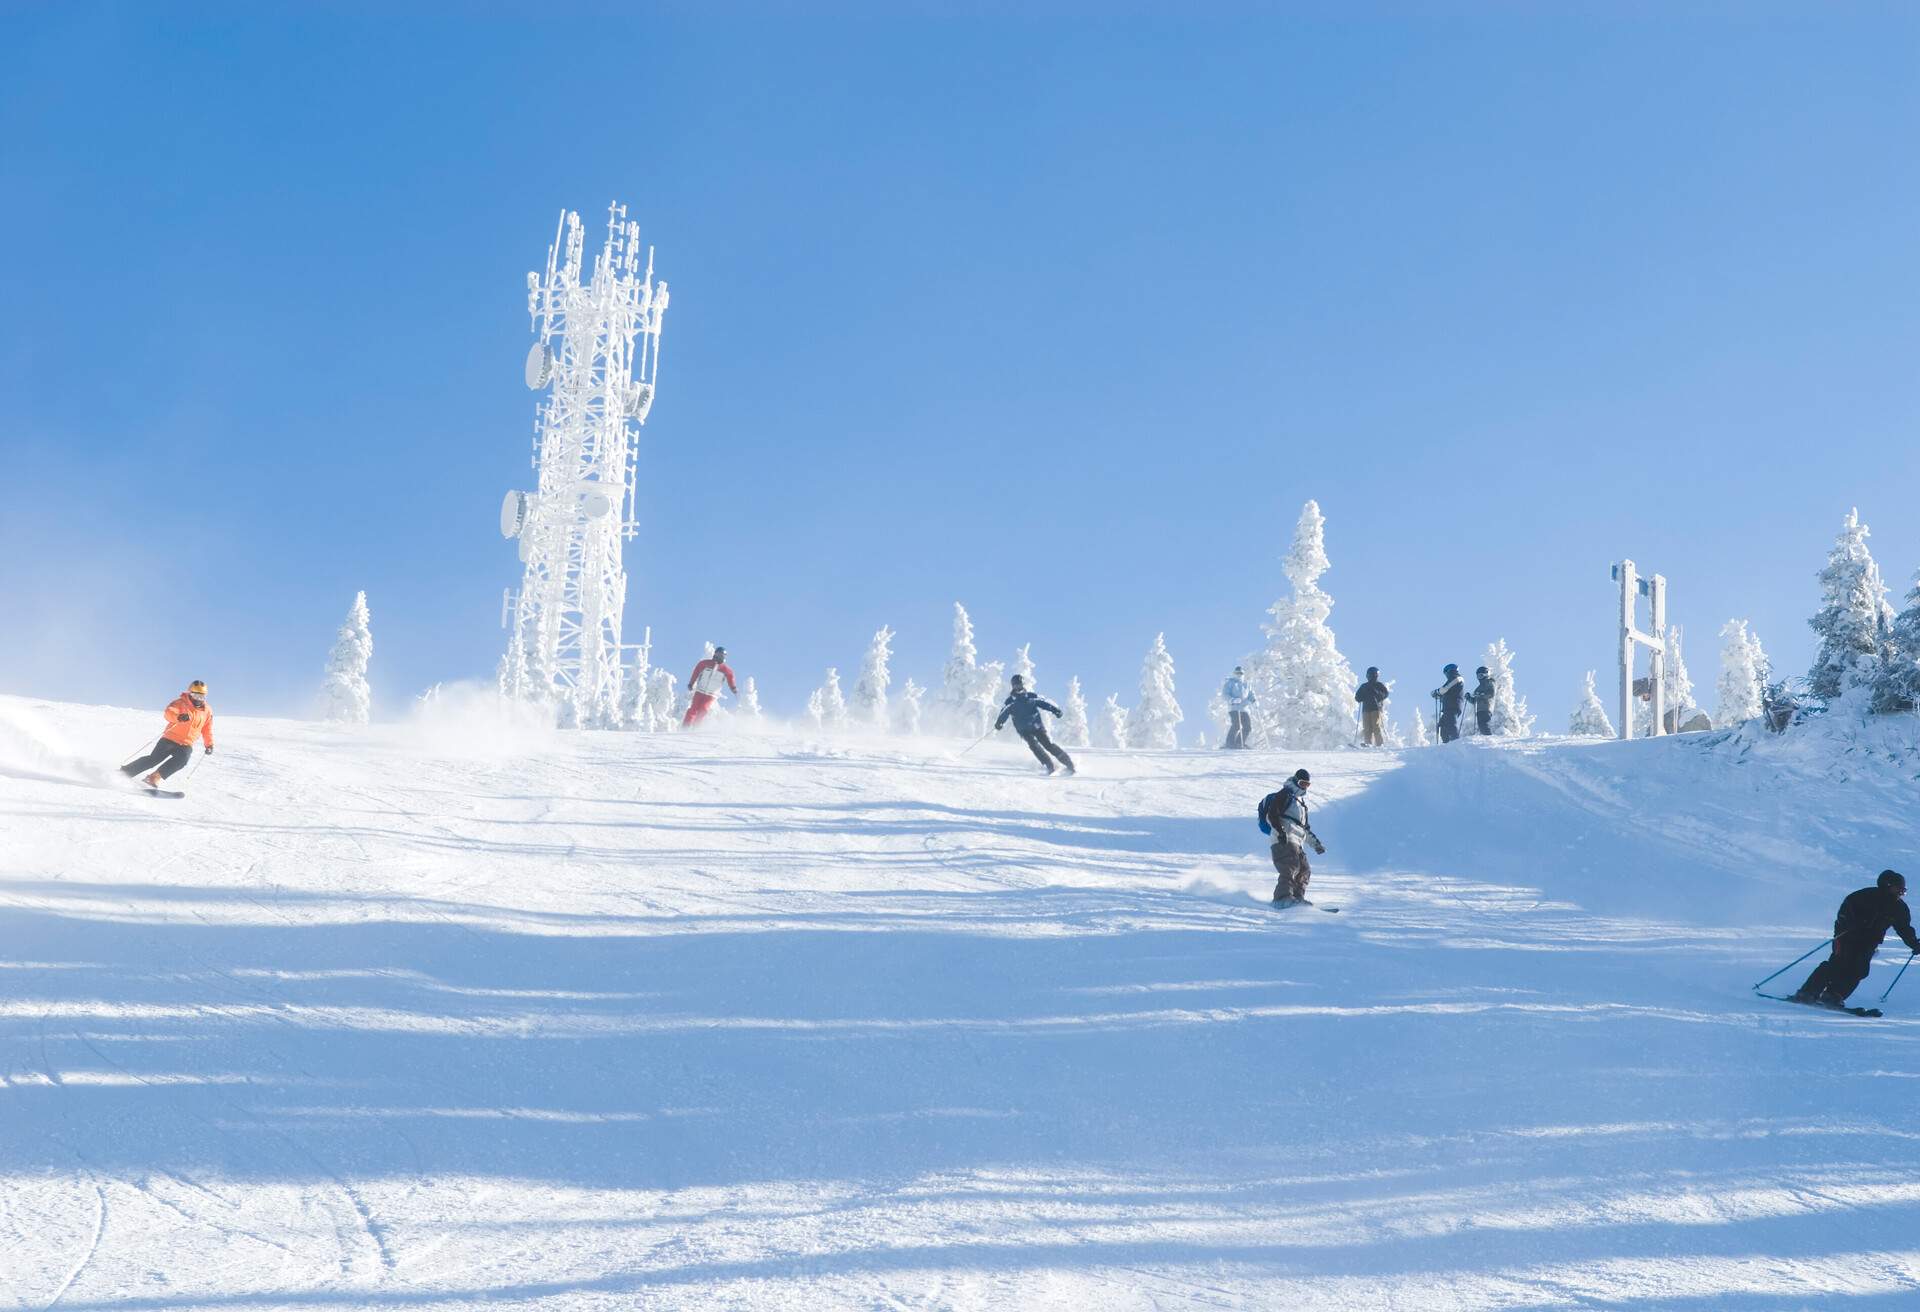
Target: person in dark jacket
{"x": 1482, "y": 699}
{"x": 1450, "y": 695}
{"x": 1285, "y": 814}
{"x": 1372, "y": 696}
{"x": 1025, "y": 707}
{"x": 1865, "y": 917}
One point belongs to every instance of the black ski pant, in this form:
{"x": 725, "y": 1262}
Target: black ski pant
{"x": 1485, "y": 720}
{"x": 1449, "y": 726}
{"x": 1239, "y": 725}
{"x": 1037, "y": 740}
{"x": 1835, "y": 979}
{"x": 167, "y": 754}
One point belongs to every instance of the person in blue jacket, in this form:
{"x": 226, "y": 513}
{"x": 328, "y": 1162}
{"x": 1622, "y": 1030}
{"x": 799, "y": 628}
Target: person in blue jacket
{"x": 1239, "y": 698}
{"x": 1025, "y": 707}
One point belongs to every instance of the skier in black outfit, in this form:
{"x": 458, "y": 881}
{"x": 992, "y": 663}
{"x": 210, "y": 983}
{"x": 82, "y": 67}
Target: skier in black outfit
{"x": 1372, "y": 696}
{"x": 1865, "y": 917}
{"x": 1482, "y": 699}
{"x": 1025, "y": 707}
{"x": 1450, "y": 695}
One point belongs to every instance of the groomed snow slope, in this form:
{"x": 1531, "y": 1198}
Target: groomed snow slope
{"x": 453, "y": 1014}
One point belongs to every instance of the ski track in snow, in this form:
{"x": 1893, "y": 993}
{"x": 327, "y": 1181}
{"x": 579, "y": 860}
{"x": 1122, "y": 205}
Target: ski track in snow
{"x": 411, "y": 1018}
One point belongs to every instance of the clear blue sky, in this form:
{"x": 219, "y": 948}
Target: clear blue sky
{"x": 1062, "y": 316}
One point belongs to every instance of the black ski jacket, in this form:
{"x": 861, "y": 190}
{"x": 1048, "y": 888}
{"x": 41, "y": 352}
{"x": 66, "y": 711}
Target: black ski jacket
{"x": 1025, "y": 707}
{"x": 1373, "y": 695}
{"x": 1482, "y": 696}
{"x": 1450, "y": 694}
{"x": 1867, "y": 915}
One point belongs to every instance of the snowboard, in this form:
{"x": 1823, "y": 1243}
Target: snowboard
{"x": 164, "y": 792}
{"x": 1851, "y": 1011}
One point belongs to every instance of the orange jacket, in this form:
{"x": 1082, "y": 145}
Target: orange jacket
{"x": 184, "y": 720}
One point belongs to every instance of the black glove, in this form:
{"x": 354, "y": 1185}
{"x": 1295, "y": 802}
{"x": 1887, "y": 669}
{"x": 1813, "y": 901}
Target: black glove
{"x": 184, "y": 719}
{"x": 209, "y": 749}
{"x": 1319, "y": 848}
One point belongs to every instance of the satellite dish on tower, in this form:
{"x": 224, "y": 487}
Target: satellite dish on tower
{"x": 513, "y": 514}
{"x": 539, "y": 364}
{"x": 595, "y": 504}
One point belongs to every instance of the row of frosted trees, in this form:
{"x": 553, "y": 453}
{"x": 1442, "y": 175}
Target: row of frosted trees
{"x": 971, "y": 692}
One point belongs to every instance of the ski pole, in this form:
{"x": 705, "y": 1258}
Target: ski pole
{"x": 976, "y": 742}
{"x": 1896, "y": 978}
{"x": 1796, "y": 961}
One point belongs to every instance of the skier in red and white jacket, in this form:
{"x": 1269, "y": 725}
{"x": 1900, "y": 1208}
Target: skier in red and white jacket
{"x": 705, "y": 683}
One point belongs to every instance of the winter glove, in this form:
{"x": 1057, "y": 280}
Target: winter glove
{"x": 184, "y": 719}
{"x": 1319, "y": 848}
{"x": 209, "y": 749}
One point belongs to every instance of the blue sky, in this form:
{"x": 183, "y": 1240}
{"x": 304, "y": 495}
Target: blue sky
{"x": 1060, "y": 314}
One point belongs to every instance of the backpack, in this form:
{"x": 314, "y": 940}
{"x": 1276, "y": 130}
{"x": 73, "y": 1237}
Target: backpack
{"x": 1261, "y": 814}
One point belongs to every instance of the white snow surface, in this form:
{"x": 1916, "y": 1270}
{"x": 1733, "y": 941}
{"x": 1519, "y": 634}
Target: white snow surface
{"x": 462, "y": 1013}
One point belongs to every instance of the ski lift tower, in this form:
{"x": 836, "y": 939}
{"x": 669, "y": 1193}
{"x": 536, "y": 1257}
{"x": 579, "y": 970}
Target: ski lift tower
{"x": 596, "y": 349}
{"x": 1632, "y": 588}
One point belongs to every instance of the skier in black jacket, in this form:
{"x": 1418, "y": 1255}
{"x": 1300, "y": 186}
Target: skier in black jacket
{"x": 1025, "y": 707}
{"x": 1865, "y": 917}
{"x": 1372, "y": 696}
{"x": 1482, "y": 699}
{"x": 1450, "y": 695}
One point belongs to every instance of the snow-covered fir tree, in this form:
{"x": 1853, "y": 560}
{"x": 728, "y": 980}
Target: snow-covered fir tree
{"x": 960, "y": 684}
{"x": 1897, "y": 688}
{"x": 989, "y": 680}
{"x": 1022, "y": 665}
{"x": 817, "y": 709}
{"x": 1676, "y": 690}
{"x": 1743, "y": 675}
{"x": 1155, "y": 722}
{"x": 661, "y": 687}
{"x": 870, "y": 689}
{"x": 907, "y": 711}
{"x": 1113, "y": 722}
{"x": 1073, "y": 729}
{"x": 750, "y": 701}
{"x": 1510, "y": 718}
{"x": 833, "y": 704}
{"x": 1854, "y": 621}
{"x": 512, "y": 670}
{"x": 633, "y": 692}
{"x": 538, "y": 687}
{"x": 349, "y": 699}
{"x": 1305, "y": 686}
{"x": 1589, "y": 718}
{"x": 1422, "y": 735}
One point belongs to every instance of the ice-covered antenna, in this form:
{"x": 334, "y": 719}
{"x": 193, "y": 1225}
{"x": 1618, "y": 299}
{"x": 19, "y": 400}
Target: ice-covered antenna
{"x": 1632, "y": 588}
{"x": 596, "y": 351}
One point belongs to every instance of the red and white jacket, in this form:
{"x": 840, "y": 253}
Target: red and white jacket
{"x": 708, "y": 675}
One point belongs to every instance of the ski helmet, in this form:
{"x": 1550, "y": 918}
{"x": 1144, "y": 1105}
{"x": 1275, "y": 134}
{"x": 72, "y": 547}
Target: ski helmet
{"x": 719, "y": 652}
{"x": 1481, "y": 671}
{"x": 1450, "y": 669}
{"x": 198, "y": 687}
{"x": 1373, "y": 671}
{"x": 1019, "y": 682}
{"x": 1302, "y": 777}
{"x": 1892, "y": 880}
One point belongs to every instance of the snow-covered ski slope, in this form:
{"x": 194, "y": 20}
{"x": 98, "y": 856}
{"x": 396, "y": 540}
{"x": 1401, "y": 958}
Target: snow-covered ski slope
{"x": 456, "y": 1015}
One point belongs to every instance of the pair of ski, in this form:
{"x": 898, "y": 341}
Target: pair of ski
{"x": 151, "y": 791}
{"x": 1808, "y": 1002}
{"x": 1288, "y": 906}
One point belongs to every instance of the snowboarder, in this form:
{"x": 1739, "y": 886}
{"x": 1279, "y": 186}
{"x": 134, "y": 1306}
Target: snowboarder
{"x": 1372, "y": 696}
{"x": 1864, "y": 919}
{"x": 1239, "y": 697}
{"x": 1284, "y": 815}
{"x": 705, "y": 683}
{"x": 188, "y": 717}
{"x": 1450, "y": 696}
{"x": 1025, "y": 707}
{"x": 1482, "y": 699}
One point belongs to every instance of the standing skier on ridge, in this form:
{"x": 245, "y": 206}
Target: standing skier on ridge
{"x": 1284, "y": 815}
{"x": 1482, "y": 699}
{"x": 1025, "y": 707}
{"x": 1450, "y": 695}
{"x": 1372, "y": 696}
{"x": 1865, "y": 917}
{"x": 187, "y": 717}
{"x": 1239, "y": 697}
{"x": 705, "y": 683}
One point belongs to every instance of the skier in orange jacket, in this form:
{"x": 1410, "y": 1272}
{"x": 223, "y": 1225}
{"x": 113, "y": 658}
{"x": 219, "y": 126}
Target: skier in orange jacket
{"x": 705, "y": 683}
{"x": 188, "y": 716}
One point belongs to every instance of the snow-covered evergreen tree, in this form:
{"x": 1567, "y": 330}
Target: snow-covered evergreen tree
{"x": 1854, "y": 621}
{"x": 960, "y": 684}
{"x": 1743, "y": 675}
{"x": 1022, "y": 666}
{"x": 833, "y": 705}
{"x": 870, "y": 690}
{"x": 1113, "y": 722}
{"x": 512, "y": 670}
{"x": 1304, "y": 684}
{"x": 1155, "y": 723}
{"x": 1676, "y": 690}
{"x": 661, "y": 687}
{"x": 1422, "y": 735}
{"x": 1897, "y": 688}
{"x": 538, "y": 687}
{"x": 988, "y": 682}
{"x": 633, "y": 693}
{"x": 907, "y": 710}
{"x": 1073, "y": 729}
{"x": 749, "y": 709}
{"x": 1589, "y": 718}
{"x": 817, "y": 709}
{"x": 1510, "y": 718}
{"x": 349, "y": 699}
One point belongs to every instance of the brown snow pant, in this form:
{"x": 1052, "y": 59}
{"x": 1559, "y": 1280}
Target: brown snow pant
{"x": 1370, "y": 728}
{"x": 1290, "y": 859}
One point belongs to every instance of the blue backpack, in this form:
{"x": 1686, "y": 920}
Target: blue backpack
{"x": 1261, "y": 814}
